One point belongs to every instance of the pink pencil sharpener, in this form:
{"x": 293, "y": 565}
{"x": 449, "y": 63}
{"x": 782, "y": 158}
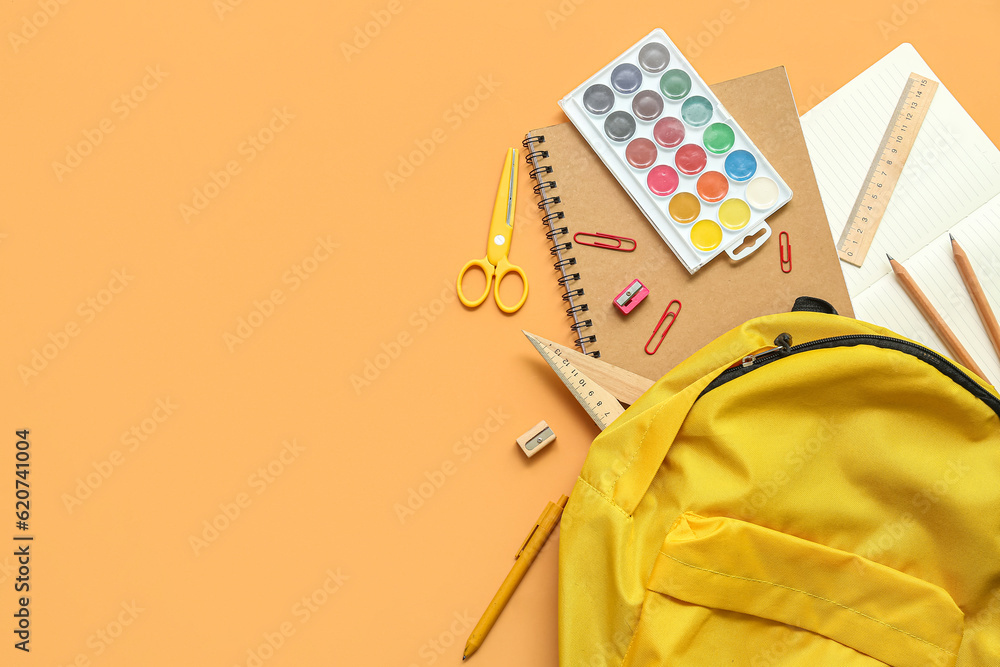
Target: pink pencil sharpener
{"x": 631, "y": 296}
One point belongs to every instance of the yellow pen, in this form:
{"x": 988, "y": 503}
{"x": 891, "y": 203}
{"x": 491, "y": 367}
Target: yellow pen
{"x": 522, "y": 561}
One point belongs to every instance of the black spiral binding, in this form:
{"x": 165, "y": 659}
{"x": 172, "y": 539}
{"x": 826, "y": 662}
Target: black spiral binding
{"x": 545, "y": 184}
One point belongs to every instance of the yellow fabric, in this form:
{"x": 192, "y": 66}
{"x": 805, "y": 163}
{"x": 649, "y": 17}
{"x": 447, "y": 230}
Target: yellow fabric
{"x": 836, "y": 507}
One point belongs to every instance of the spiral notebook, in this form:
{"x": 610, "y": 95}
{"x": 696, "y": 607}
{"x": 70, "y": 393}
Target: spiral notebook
{"x": 951, "y": 184}
{"x": 578, "y": 194}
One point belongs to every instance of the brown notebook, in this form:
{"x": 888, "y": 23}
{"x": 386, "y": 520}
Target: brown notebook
{"x": 579, "y": 194}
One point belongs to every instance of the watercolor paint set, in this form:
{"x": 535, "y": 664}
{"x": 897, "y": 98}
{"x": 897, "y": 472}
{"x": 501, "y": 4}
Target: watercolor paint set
{"x": 686, "y": 163}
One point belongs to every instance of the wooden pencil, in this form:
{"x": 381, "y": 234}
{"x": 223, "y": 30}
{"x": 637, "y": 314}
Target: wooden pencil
{"x": 933, "y": 318}
{"x": 976, "y": 292}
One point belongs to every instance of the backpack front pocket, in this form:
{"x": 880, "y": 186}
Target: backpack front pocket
{"x": 727, "y": 592}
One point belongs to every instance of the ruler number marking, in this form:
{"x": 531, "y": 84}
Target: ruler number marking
{"x": 886, "y": 168}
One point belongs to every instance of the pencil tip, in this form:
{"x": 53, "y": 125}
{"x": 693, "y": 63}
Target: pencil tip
{"x": 950, "y": 236}
{"x": 889, "y": 256}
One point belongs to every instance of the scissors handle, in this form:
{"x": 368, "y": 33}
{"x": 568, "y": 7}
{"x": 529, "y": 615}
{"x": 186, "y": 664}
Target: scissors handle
{"x": 503, "y": 268}
{"x": 487, "y": 270}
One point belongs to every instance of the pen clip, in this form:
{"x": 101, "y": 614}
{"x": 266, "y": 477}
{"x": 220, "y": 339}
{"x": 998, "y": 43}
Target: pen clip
{"x": 598, "y": 244}
{"x": 526, "y": 540}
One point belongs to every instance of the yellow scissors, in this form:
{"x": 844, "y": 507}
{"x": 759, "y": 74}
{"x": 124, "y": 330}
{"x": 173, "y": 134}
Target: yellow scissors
{"x": 495, "y": 263}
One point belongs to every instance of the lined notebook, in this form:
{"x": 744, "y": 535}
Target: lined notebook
{"x": 578, "y": 194}
{"x": 950, "y": 183}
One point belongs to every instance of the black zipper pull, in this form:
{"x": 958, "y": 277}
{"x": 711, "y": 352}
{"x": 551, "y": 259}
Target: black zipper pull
{"x": 784, "y": 346}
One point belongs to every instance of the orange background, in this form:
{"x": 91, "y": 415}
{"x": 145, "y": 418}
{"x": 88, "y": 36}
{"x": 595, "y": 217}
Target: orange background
{"x": 115, "y": 578}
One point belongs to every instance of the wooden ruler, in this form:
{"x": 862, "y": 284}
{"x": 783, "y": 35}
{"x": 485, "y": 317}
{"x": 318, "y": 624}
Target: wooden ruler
{"x": 597, "y": 385}
{"x": 886, "y": 168}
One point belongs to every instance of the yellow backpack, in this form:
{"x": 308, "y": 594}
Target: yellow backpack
{"x": 807, "y": 489}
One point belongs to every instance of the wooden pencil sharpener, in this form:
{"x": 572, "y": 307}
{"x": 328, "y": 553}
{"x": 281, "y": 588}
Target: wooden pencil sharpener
{"x": 536, "y": 438}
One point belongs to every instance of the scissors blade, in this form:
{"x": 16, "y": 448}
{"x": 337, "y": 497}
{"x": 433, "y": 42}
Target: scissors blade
{"x": 600, "y": 387}
{"x": 502, "y": 221}
{"x": 510, "y": 188}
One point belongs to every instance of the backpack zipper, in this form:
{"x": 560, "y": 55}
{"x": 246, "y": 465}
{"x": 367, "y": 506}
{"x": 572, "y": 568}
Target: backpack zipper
{"x": 784, "y": 348}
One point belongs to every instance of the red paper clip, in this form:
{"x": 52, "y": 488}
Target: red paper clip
{"x": 598, "y": 244}
{"x": 673, "y": 318}
{"x": 786, "y": 259}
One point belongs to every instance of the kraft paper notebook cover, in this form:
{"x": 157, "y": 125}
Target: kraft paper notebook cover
{"x": 578, "y": 194}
